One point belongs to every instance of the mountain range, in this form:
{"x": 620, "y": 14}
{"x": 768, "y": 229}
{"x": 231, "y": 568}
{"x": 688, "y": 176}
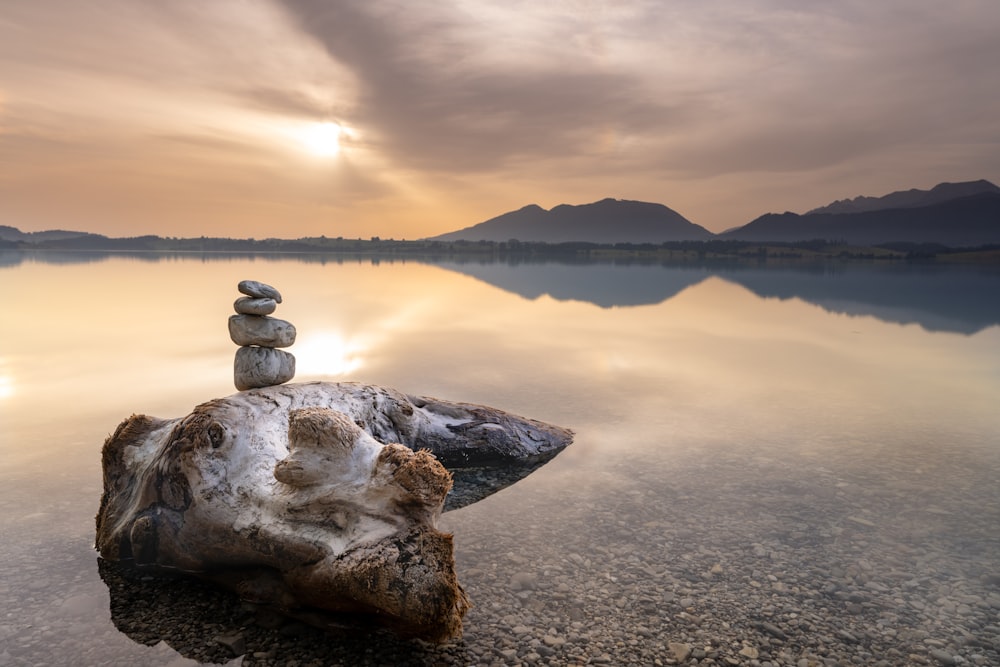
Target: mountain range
{"x": 955, "y": 215}
{"x": 951, "y": 214}
{"x": 909, "y": 198}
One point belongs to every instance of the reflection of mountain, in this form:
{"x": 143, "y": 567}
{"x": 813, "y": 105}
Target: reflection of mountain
{"x": 937, "y": 297}
{"x": 18, "y": 257}
{"x": 10, "y": 258}
{"x": 603, "y": 284}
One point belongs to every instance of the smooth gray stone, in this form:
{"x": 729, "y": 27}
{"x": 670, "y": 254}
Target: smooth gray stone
{"x": 258, "y": 290}
{"x": 248, "y": 305}
{"x": 262, "y": 367}
{"x": 260, "y": 330}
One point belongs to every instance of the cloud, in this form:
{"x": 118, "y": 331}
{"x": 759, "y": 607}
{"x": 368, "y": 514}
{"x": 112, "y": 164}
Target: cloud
{"x": 438, "y": 99}
{"x": 709, "y": 88}
{"x": 462, "y": 109}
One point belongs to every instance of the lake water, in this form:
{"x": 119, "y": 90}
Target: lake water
{"x": 794, "y": 465}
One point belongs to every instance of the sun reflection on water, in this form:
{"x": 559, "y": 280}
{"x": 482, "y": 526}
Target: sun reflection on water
{"x": 326, "y": 353}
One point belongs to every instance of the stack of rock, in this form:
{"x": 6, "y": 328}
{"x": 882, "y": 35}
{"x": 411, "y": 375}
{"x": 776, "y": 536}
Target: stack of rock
{"x": 258, "y": 361}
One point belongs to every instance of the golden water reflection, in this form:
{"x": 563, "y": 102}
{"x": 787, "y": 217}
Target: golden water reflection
{"x": 124, "y": 335}
{"x": 328, "y": 354}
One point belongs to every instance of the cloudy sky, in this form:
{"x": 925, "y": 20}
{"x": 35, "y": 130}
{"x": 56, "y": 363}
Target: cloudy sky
{"x": 406, "y": 119}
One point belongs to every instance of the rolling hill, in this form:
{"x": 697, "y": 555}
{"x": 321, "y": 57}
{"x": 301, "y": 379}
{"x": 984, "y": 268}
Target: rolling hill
{"x": 963, "y": 221}
{"x": 604, "y": 221}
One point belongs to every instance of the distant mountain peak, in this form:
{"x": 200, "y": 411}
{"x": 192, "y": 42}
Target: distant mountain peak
{"x": 950, "y": 214}
{"x": 607, "y": 220}
{"x": 912, "y": 198}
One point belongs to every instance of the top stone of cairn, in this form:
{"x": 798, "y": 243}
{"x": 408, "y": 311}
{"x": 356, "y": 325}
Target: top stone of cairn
{"x": 258, "y": 290}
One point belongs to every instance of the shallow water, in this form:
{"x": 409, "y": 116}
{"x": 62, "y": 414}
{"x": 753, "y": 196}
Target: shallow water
{"x": 813, "y": 450}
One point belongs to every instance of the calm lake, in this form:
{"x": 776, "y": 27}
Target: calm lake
{"x": 790, "y": 465}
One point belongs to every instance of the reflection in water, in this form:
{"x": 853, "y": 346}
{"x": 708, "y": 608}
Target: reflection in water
{"x": 473, "y": 484}
{"x": 937, "y": 297}
{"x": 6, "y": 385}
{"x": 741, "y": 462}
{"x": 327, "y": 353}
{"x": 605, "y": 284}
{"x": 206, "y": 624}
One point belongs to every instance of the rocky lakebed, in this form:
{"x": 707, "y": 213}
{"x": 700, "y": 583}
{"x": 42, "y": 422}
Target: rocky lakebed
{"x": 729, "y": 561}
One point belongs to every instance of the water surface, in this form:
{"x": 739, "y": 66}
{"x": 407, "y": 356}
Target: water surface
{"x": 813, "y": 448}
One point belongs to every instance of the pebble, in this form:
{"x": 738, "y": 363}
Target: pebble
{"x": 262, "y": 367}
{"x": 680, "y": 651}
{"x": 258, "y": 363}
{"x": 258, "y": 290}
{"x": 773, "y": 630}
{"x": 943, "y": 657}
{"x": 246, "y": 305}
{"x": 235, "y": 643}
{"x": 523, "y": 581}
{"x": 261, "y": 331}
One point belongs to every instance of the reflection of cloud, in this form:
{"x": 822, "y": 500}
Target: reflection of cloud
{"x": 6, "y": 387}
{"x": 6, "y": 381}
{"x": 327, "y": 353}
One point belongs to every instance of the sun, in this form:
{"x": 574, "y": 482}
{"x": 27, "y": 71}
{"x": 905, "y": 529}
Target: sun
{"x": 321, "y": 139}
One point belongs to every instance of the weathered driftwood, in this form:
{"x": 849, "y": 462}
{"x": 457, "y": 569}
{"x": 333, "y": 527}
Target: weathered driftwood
{"x": 296, "y": 496}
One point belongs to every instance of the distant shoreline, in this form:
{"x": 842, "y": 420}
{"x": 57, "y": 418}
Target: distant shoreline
{"x": 681, "y": 251}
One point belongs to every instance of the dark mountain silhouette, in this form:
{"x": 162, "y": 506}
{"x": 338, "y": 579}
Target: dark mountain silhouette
{"x": 956, "y": 215}
{"x": 950, "y": 214}
{"x": 605, "y": 221}
{"x": 909, "y": 198}
{"x": 962, "y": 222}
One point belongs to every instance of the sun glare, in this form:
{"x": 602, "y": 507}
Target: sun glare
{"x": 321, "y": 139}
{"x": 326, "y": 353}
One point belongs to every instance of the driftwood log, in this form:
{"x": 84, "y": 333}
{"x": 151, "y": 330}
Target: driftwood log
{"x": 311, "y": 496}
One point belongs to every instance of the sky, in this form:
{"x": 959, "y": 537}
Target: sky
{"x": 402, "y": 119}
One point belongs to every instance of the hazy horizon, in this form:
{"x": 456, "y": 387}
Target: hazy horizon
{"x": 301, "y": 118}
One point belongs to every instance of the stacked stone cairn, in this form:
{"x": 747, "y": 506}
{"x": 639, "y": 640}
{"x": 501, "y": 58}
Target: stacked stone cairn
{"x": 258, "y": 361}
